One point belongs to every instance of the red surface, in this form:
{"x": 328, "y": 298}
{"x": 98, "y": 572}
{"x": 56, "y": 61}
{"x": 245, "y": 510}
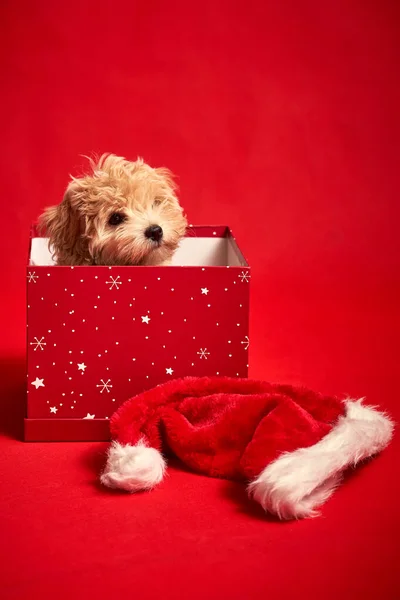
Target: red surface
{"x": 100, "y": 335}
{"x": 280, "y": 118}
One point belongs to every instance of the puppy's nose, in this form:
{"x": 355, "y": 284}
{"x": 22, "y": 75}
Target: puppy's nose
{"x": 154, "y": 232}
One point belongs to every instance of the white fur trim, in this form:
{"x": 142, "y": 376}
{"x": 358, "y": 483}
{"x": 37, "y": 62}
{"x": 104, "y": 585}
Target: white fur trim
{"x": 296, "y": 483}
{"x": 133, "y": 468}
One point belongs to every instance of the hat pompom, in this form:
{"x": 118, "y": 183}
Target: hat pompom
{"x": 133, "y": 468}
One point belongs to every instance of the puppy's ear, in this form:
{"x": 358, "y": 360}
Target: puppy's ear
{"x": 65, "y": 228}
{"x": 166, "y": 177}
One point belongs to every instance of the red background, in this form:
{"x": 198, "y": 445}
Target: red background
{"x": 280, "y": 119}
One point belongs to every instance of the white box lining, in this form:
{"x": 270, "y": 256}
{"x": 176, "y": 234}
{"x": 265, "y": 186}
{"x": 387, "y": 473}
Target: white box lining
{"x": 193, "y": 252}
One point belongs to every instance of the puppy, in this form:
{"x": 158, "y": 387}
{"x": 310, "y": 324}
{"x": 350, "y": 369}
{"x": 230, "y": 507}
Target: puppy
{"x": 120, "y": 213}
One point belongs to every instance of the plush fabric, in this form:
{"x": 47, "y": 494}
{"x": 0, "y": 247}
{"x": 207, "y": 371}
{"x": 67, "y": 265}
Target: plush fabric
{"x": 225, "y": 427}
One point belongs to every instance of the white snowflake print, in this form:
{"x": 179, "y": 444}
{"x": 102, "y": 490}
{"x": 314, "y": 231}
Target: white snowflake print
{"x": 114, "y": 282}
{"x": 169, "y": 371}
{"x": 38, "y": 343}
{"x": 146, "y": 319}
{"x": 244, "y": 276}
{"x": 89, "y": 416}
{"x": 203, "y": 353}
{"x": 104, "y": 385}
{"x": 246, "y": 342}
{"x": 38, "y": 383}
{"x": 32, "y": 277}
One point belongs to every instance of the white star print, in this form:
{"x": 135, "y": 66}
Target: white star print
{"x": 246, "y": 342}
{"x": 203, "y": 353}
{"x": 32, "y": 277}
{"x": 104, "y": 385}
{"x": 81, "y": 367}
{"x": 204, "y": 291}
{"x": 38, "y": 343}
{"x": 38, "y": 383}
{"x": 89, "y": 416}
{"x": 114, "y": 282}
{"x": 244, "y": 276}
{"x": 146, "y": 319}
{"x": 53, "y": 409}
{"x": 169, "y": 371}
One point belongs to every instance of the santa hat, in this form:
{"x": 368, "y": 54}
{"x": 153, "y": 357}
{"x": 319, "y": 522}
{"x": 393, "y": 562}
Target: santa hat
{"x": 290, "y": 444}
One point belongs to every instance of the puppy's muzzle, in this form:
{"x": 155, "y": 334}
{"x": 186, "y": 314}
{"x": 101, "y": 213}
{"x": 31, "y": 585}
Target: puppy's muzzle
{"x": 154, "y": 233}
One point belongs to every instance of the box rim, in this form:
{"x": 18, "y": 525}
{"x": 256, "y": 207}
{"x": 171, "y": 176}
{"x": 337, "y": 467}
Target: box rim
{"x": 228, "y": 233}
{"x": 66, "y": 430}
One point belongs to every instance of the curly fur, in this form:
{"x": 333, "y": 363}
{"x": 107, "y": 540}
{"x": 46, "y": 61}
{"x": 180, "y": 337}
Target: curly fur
{"x": 79, "y": 230}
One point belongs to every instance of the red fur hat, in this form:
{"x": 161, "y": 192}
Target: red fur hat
{"x": 290, "y": 444}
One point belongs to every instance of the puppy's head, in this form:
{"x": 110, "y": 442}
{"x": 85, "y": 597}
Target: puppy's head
{"x": 121, "y": 213}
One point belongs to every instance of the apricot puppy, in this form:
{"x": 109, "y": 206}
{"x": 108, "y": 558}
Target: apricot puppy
{"x": 120, "y": 213}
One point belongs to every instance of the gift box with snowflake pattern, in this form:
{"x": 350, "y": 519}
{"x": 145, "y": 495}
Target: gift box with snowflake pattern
{"x": 98, "y": 335}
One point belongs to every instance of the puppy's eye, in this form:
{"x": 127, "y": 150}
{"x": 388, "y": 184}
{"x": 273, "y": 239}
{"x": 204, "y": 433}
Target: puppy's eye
{"x": 116, "y": 219}
{"x": 157, "y": 202}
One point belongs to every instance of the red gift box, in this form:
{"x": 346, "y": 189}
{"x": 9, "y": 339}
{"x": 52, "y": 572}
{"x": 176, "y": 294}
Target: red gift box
{"x": 98, "y": 335}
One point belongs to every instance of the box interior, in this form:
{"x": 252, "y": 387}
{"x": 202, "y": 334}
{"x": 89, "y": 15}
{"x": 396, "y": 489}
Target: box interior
{"x": 193, "y": 251}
